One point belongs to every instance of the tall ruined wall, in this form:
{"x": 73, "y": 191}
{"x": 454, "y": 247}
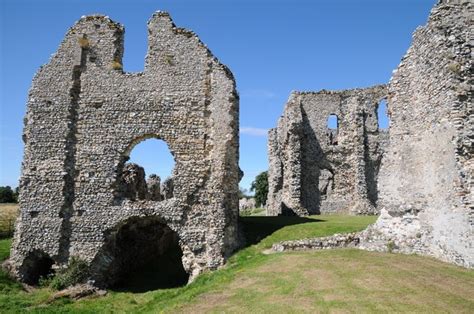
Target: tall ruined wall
{"x": 426, "y": 176}
{"x": 314, "y": 169}
{"x": 84, "y": 117}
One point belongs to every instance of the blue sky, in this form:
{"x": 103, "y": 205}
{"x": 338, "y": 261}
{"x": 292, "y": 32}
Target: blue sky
{"x": 272, "y": 47}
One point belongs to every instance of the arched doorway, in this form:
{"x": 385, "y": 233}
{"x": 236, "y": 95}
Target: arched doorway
{"x": 36, "y": 265}
{"x": 144, "y": 254}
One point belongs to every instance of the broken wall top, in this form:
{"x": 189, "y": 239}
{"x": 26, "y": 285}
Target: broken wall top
{"x": 84, "y": 117}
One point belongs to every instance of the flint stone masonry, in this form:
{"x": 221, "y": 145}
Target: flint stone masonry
{"x": 84, "y": 117}
{"x": 314, "y": 169}
{"x": 348, "y": 240}
{"x": 426, "y": 175}
{"x": 247, "y": 203}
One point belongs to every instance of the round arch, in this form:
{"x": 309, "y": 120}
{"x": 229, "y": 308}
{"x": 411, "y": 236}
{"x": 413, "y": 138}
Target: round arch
{"x": 140, "y": 254}
{"x": 146, "y": 169}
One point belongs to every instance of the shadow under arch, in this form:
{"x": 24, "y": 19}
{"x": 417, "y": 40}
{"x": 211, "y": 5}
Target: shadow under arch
{"x": 36, "y": 265}
{"x": 140, "y": 254}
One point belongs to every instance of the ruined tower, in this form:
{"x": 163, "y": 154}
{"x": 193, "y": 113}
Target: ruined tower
{"x": 426, "y": 178}
{"x": 316, "y": 169}
{"x": 84, "y": 117}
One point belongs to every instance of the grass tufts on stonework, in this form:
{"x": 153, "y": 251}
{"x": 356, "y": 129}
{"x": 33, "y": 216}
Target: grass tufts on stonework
{"x": 76, "y": 272}
{"x": 345, "y": 280}
{"x": 83, "y": 43}
{"x": 116, "y": 65}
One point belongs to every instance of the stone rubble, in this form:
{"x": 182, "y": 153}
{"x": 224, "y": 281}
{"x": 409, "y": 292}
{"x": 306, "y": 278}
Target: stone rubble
{"x": 348, "y": 240}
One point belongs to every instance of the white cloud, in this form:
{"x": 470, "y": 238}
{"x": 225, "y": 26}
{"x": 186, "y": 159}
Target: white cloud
{"x": 253, "y": 131}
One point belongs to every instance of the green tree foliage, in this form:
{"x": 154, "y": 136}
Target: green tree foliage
{"x": 260, "y": 186}
{"x": 7, "y": 195}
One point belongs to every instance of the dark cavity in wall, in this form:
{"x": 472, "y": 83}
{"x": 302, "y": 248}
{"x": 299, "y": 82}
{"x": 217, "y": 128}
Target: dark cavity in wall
{"x": 37, "y": 265}
{"x": 145, "y": 256}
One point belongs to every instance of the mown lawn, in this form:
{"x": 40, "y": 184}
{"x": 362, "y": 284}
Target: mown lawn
{"x": 325, "y": 281}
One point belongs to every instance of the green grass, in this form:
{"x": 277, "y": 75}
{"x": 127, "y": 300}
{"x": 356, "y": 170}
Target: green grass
{"x": 253, "y": 212}
{"x": 323, "y": 281}
{"x": 259, "y": 229}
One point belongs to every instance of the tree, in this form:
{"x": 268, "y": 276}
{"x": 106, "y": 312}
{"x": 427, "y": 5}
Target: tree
{"x": 7, "y": 195}
{"x": 260, "y": 186}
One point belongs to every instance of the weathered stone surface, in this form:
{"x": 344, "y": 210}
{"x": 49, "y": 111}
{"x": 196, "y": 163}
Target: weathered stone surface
{"x": 247, "y": 203}
{"x": 426, "y": 175}
{"x": 84, "y": 117}
{"x": 154, "y": 187}
{"x": 167, "y": 188}
{"x": 133, "y": 184}
{"x": 314, "y": 169}
{"x": 336, "y": 241}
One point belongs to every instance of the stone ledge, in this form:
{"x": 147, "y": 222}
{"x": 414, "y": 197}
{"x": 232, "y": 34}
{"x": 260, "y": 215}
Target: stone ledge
{"x": 331, "y": 242}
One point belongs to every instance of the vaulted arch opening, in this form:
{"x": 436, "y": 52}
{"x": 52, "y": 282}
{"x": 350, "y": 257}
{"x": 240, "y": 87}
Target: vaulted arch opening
{"x": 142, "y": 254}
{"x": 37, "y": 265}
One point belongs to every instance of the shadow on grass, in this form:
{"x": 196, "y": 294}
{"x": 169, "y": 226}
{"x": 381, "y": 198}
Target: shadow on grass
{"x": 257, "y": 228}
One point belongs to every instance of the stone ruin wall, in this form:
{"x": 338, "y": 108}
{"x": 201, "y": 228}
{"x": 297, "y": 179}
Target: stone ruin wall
{"x": 426, "y": 176}
{"x": 84, "y": 117}
{"x": 314, "y": 169}
{"x": 427, "y": 173}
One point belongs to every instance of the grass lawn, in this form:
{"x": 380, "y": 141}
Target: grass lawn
{"x": 345, "y": 280}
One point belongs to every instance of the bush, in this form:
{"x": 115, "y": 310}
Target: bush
{"x": 76, "y": 272}
{"x": 7, "y": 195}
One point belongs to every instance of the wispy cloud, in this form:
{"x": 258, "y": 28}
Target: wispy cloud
{"x": 253, "y": 131}
{"x": 258, "y": 93}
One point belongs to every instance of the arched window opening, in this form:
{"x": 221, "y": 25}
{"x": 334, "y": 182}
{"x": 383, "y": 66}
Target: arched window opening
{"x": 147, "y": 175}
{"x": 332, "y": 129}
{"x": 145, "y": 255}
{"x": 382, "y": 115}
{"x": 332, "y": 123}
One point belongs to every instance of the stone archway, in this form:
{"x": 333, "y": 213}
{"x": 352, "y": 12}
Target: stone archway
{"x": 141, "y": 254}
{"x": 36, "y": 265}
